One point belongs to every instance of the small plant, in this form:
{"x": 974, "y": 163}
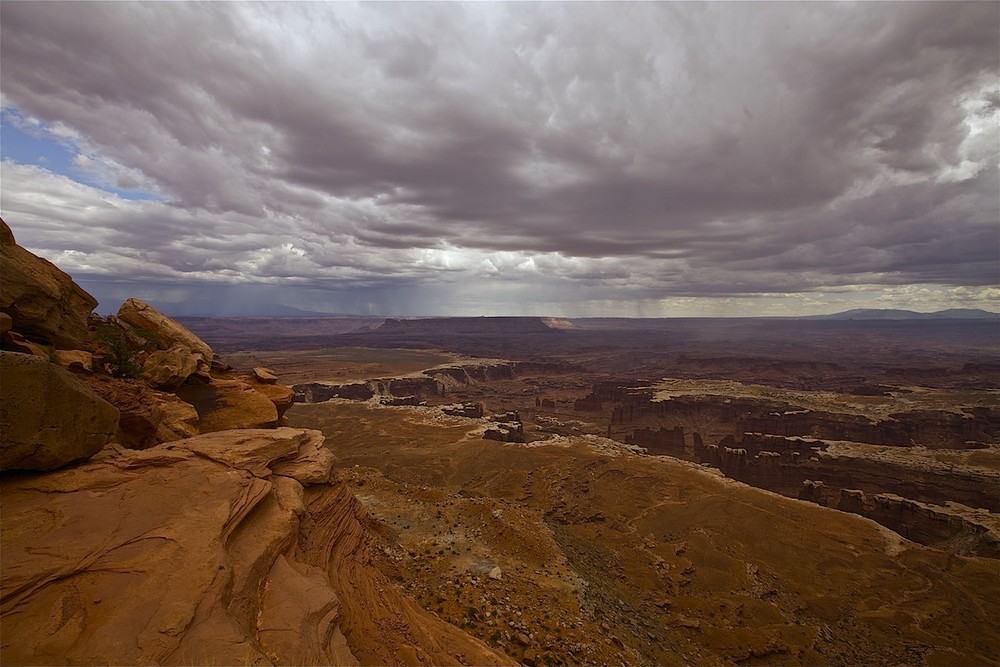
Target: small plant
{"x": 119, "y": 351}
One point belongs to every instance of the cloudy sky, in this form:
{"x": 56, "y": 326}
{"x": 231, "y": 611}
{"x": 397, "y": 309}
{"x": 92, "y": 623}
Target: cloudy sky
{"x": 575, "y": 159}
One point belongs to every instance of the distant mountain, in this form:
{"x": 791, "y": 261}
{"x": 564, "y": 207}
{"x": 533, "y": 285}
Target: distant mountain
{"x": 895, "y": 314}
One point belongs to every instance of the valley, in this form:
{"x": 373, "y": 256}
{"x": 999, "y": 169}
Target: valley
{"x": 646, "y": 503}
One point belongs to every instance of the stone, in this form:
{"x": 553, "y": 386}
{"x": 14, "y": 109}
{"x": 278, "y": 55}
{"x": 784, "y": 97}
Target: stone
{"x": 523, "y": 639}
{"x": 496, "y": 573}
{"x": 265, "y": 375}
{"x": 148, "y": 417}
{"x": 280, "y": 395}
{"x": 43, "y": 302}
{"x": 169, "y": 368}
{"x": 852, "y": 500}
{"x": 6, "y": 322}
{"x": 299, "y": 614}
{"x": 49, "y": 417}
{"x": 15, "y": 342}
{"x": 229, "y": 404}
{"x": 196, "y": 552}
{"x": 74, "y": 360}
{"x": 163, "y": 330}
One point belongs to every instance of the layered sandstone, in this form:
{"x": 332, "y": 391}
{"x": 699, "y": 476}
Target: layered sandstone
{"x": 230, "y": 548}
{"x": 42, "y": 301}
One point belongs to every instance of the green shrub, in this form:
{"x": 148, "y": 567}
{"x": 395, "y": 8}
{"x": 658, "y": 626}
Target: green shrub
{"x": 119, "y": 351}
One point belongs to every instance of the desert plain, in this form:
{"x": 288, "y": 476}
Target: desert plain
{"x": 668, "y": 491}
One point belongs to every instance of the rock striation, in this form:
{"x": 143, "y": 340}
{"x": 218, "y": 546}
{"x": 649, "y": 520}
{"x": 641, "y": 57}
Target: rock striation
{"x": 43, "y": 302}
{"x": 236, "y": 547}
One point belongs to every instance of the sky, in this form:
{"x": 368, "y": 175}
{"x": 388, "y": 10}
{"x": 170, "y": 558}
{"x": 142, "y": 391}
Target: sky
{"x": 565, "y": 159}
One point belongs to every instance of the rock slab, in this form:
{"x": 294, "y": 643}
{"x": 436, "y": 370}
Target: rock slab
{"x": 49, "y": 418}
{"x": 200, "y": 552}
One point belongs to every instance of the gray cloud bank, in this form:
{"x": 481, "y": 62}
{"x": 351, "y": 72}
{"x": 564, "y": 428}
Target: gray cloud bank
{"x": 532, "y": 155}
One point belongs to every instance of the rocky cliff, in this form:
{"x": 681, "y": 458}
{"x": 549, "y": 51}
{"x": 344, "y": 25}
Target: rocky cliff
{"x": 239, "y": 547}
{"x": 143, "y": 521}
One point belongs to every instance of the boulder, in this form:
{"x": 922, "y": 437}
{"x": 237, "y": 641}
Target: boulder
{"x": 229, "y": 404}
{"x": 49, "y": 417}
{"x": 74, "y": 360}
{"x": 281, "y": 395}
{"x": 148, "y": 417}
{"x": 161, "y": 329}
{"x": 265, "y": 375}
{"x": 15, "y": 342}
{"x": 169, "y": 368}
{"x": 42, "y": 301}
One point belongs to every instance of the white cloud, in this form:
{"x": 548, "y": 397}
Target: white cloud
{"x": 621, "y": 155}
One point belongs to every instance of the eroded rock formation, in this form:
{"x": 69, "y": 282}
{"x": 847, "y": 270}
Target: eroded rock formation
{"x": 229, "y": 548}
{"x": 48, "y": 418}
{"x": 43, "y": 302}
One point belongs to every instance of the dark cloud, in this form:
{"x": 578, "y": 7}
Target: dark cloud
{"x": 644, "y": 150}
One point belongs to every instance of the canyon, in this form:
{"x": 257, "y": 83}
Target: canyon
{"x": 479, "y": 491}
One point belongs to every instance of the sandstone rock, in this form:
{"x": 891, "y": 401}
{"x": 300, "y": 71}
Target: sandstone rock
{"x": 148, "y": 417}
{"x": 852, "y": 500}
{"x": 43, "y": 302}
{"x": 74, "y": 360}
{"x": 229, "y": 404}
{"x": 312, "y": 465}
{"x": 163, "y": 330}
{"x": 496, "y": 573}
{"x": 169, "y": 368}
{"x": 299, "y": 615}
{"x": 49, "y": 418}
{"x": 281, "y": 395}
{"x": 15, "y": 342}
{"x": 191, "y": 553}
{"x": 265, "y": 375}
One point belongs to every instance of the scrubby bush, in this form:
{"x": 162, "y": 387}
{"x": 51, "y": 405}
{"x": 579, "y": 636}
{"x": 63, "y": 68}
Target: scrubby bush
{"x": 119, "y": 351}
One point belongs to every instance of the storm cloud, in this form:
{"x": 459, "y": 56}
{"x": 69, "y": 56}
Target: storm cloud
{"x": 586, "y": 158}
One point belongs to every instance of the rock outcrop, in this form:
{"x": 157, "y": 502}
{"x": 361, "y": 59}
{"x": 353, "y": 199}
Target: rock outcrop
{"x": 44, "y": 303}
{"x": 264, "y": 375}
{"x": 164, "y": 331}
{"x": 148, "y": 417}
{"x": 280, "y": 395}
{"x": 49, "y": 418}
{"x": 75, "y": 360}
{"x": 169, "y": 368}
{"x": 228, "y": 548}
{"x": 229, "y": 404}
